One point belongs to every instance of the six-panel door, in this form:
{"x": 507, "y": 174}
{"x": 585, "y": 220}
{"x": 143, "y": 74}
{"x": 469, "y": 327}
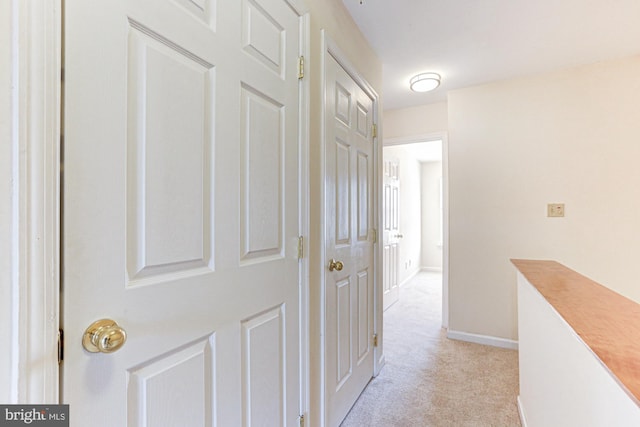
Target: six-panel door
{"x": 349, "y": 215}
{"x": 181, "y": 211}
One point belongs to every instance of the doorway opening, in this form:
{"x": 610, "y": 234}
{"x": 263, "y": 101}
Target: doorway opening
{"x": 414, "y": 210}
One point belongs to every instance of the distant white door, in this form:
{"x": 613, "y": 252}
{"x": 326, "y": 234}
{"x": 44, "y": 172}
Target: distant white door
{"x": 391, "y": 233}
{"x": 349, "y": 218}
{"x": 181, "y": 212}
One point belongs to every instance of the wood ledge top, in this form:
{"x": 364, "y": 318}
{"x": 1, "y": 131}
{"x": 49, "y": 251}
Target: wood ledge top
{"x": 607, "y": 322}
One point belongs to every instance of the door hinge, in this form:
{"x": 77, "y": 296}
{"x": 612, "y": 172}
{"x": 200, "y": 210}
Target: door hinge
{"x": 301, "y": 68}
{"x": 300, "y": 247}
{"x": 374, "y": 235}
{"x": 301, "y": 420}
{"x": 60, "y": 346}
{"x": 375, "y": 131}
{"x": 375, "y": 340}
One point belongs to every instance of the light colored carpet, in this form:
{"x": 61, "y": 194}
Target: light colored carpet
{"x": 429, "y": 380}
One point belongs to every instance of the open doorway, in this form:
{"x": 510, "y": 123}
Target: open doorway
{"x": 414, "y": 209}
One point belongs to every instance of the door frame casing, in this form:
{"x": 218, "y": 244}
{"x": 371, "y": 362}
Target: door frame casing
{"x": 431, "y": 137}
{"x": 33, "y": 277}
{"x": 32, "y": 370}
{"x": 304, "y": 203}
{"x": 330, "y": 48}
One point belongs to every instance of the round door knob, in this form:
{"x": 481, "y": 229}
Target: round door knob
{"x": 104, "y": 336}
{"x": 335, "y": 265}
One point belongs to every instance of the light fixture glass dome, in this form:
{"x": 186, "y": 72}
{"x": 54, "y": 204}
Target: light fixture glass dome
{"x": 424, "y": 82}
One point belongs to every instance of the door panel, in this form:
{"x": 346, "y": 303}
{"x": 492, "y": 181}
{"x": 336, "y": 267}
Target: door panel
{"x": 188, "y": 373}
{"x": 261, "y": 175}
{"x": 349, "y": 293}
{"x": 343, "y": 192}
{"x": 181, "y": 211}
{"x": 343, "y": 327}
{"x": 364, "y": 190}
{"x": 264, "y": 369}
{"x": 364, "y": 327}
{"x": 167, "y": 218}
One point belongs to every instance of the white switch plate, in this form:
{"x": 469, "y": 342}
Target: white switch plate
{"x": 555, "y": 210}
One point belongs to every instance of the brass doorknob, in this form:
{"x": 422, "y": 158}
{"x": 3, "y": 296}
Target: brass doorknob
{"x": 335, "y": 265}
{"x": 103, "y": 336}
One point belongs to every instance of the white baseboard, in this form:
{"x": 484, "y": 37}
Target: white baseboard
{"x": 523, "y": 419}
{"x": 483, "y": 339}
{"x": 381, "y": 362}
{"x": 409, "y": 277}
{"x": 431, "y": 269}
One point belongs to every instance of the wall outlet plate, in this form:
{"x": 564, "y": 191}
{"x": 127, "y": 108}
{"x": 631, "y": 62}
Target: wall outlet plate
{"x": 555, "y": 210}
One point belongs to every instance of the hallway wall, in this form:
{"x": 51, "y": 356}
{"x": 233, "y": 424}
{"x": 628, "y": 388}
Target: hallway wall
{"x": 431, "y": 175}
{"x": 566, "y": 137}
{"x": 421, "y": 120}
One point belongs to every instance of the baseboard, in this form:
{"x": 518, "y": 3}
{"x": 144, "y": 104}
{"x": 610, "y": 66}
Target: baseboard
{"x": 431, "y": 269}
{"x": 409, "y": 277}
{"x": 483, "y": 339}
{"x": 523, "y": 419}
{"x": 378, "y": 367}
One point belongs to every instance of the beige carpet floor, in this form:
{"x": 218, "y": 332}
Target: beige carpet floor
{"x": 429, "y": 380}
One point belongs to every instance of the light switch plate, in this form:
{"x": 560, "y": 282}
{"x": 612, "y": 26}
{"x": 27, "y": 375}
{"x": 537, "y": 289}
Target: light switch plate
{"x": 555, "y": 210}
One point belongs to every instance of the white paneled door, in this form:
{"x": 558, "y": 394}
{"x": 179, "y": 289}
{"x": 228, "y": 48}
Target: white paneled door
{"x": 181, "y": 212}
{"x": 391, "y": 233}
{"x": 349, "y": 218}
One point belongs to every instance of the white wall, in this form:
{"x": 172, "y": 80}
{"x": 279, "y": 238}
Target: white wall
{"x": 575, "y": 389}
{"x": 420, "y": 120}
{"x": 431, "y": 175}
{"x": 410, "y": 210}
{"x": 568, "y": 137}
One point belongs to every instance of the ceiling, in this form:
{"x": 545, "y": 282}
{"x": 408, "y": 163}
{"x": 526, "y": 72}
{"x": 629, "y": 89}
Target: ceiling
{"x": 471, "y": 42}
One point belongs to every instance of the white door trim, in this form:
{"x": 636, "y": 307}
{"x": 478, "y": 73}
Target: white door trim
{"x": 304, "y": 115}
{"x": 330, "y": 48}
{"x": 304, "y": 205}
{"x": 34, "y": 119}
{"x": 437, "y": 136}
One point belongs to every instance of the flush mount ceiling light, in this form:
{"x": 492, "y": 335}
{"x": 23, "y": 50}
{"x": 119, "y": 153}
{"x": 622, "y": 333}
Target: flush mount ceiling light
{"x": 424, "y": 82}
